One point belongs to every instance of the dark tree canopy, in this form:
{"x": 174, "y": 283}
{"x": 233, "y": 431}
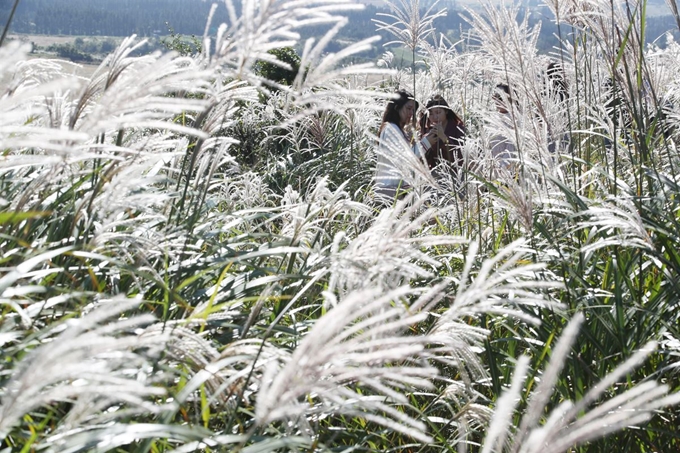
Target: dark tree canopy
{"x": 276, "y": 73}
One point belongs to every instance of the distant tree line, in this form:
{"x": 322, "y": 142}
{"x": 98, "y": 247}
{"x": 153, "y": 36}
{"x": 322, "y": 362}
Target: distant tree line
{"x": 70, "y": 52}
{"x": 188, "y": 17}
{"x": 92, "y": 50}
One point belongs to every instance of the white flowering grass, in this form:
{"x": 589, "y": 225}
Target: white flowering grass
{"x": 192, "y": 257}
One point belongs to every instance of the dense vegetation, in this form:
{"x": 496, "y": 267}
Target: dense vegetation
{"x": 193, "y": 259}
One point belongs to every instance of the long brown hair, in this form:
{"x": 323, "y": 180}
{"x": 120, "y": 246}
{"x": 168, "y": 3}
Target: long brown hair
{"x": 438, "y": 101}
{"x": 391, "y": 113}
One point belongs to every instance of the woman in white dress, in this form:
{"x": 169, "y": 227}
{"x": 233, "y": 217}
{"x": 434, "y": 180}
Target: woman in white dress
{"x": 396, "y": 154}
{"x": 503, "y": 148}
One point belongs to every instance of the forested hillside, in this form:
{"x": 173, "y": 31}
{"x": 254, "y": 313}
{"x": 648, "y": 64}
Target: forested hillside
{"x": 149, "y": 18}
{"x": 109, "y": 18}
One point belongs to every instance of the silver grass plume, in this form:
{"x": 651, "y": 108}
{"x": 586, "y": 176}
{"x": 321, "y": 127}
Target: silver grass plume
{"x": 441, "y": 58}
{"x": 517, "y": 197}
{"x": 510, "y": 44}
{"x": 107, "y": 437}
{"x": 391, "y": 251}
{"x": 614, "y": 221}
{"x": 237, "y": 373}
{"x": 535, "y": 122}
{"x": 22, "y": 109}
{"x": 606, "y": 20}
{"x": 305, "y": 220}
{"x": 468, "y": 416}
{"x": 245, "y": 191}
{"x": 458, "y": 77}
{"x": 291, "y": 443}
{"x": 503, "y": 284}
{"x": 304, "y": 225}
{"x": 407, "y": 25}
{"x": 362, "y": 325}
{"x": 359, "y": 341}
{"x": 228, "y": 375}
{"x": 614, "y": 29}
{"x": 572, "y": 423}
{"x": 262, "y": 26}
{"x": 124, "y": 92}
{"x": 326, "y": 73}
{"x": 96, "y": 356}
{"x": 14, "y": 295}
{"x": 268, "y": 25}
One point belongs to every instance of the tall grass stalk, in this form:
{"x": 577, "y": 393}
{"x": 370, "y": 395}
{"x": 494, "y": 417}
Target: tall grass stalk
{"x": 5, "y": 30}
{"x": 411, "y": 27}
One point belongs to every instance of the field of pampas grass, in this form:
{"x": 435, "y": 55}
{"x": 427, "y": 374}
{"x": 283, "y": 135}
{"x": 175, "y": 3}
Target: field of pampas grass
{"x": 192, "y": 257}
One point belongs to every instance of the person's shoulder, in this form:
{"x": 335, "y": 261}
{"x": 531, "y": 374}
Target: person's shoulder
{"x": 457, "y": 127}
{"x": 390, "y": 129}
{"x": 392, "y": 126}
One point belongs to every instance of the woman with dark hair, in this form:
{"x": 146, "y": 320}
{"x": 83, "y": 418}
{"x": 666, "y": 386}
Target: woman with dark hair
{"x": 503, "y": 148}
{"x": 395, "y": 151}
{"x": 557, "y": 86}
{"x": 440, "y": 120}
{"x": 556, "y": 119}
